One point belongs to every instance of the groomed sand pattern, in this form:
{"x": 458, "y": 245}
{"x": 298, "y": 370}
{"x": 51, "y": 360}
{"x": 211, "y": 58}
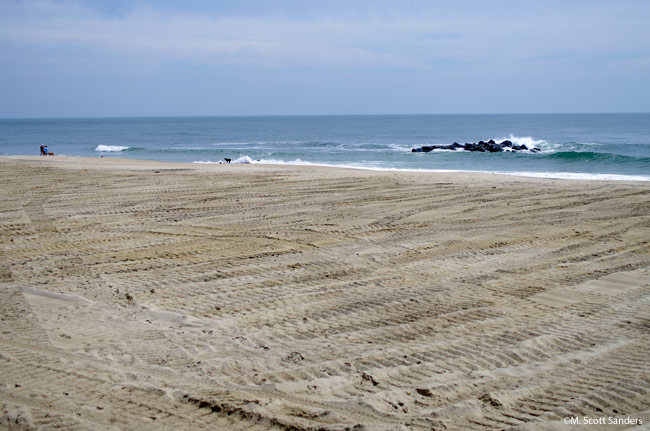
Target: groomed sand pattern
{"x": 145, "y": 295}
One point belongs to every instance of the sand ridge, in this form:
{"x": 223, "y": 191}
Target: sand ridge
{"x": 150, "y": 295}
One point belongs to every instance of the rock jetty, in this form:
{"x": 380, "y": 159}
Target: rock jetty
{"x": 480, "y": 146}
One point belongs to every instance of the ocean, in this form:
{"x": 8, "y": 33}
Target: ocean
{"x": 578, "y": 146}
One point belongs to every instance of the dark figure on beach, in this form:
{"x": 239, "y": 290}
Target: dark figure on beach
{"x": 43, "y": 153}
{"x": 228, "y": 160}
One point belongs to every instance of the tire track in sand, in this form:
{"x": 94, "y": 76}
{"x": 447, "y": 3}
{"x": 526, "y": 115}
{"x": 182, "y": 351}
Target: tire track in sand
{"x": 240, "y": 298}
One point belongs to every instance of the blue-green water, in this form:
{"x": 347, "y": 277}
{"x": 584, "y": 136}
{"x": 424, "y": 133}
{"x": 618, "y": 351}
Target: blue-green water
{"x": 573, "y": 145}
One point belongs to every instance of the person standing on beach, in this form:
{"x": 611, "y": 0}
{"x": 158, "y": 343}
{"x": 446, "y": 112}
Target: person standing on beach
{"x": 43, "y": 153}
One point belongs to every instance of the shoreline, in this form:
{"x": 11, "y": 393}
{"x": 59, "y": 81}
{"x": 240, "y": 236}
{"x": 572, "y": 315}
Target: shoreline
{"x": 568, "y": 176}
{"x": 155, "y": 295}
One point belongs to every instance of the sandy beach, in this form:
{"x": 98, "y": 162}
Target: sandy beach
{"x": 142, "y": 295}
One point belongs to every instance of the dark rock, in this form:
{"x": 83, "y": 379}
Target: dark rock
{"x": 476, "y": 147}
{"x": 481, "y": 146}
{"x": 493, "y": 147}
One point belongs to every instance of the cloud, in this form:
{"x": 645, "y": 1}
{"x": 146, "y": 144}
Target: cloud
{"x": 295, "y": 55}
{"x": 410, "y": 37}
{"x": 368, "y": 38}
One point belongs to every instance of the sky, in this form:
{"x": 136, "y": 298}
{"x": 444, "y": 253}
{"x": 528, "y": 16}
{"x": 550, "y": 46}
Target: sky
{"x": 103, "y": 58}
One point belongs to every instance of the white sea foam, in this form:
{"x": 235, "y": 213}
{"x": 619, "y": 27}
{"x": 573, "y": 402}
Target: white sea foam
{"x": 296, "y": 162}
{"x": 400, "y": 148}
{"x": 578, "y": 176}
{"x": 110, "y": 148}
{"x": 529, "y": 142}
{"x": 441, "y": 150}
{"x": 365, "y": 166}
{"x": 256, "y": 145}
{"x": 243, "y": 160}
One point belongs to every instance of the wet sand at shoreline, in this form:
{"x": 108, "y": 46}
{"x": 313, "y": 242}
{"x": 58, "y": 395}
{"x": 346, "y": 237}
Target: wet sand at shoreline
{"x": 149, "y": 295}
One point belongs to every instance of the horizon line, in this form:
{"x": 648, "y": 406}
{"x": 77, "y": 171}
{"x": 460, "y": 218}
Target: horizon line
{"x": 117, "y": 117}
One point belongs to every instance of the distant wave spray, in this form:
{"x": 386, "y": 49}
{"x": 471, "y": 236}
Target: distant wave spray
{"x": 110, "y": 148}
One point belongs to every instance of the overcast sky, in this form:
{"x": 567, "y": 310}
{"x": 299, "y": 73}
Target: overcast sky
{"x": 200, "y": 57}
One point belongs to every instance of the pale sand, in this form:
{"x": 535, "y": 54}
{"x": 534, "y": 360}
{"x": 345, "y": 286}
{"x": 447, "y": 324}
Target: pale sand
{"x": 145, "y": 295}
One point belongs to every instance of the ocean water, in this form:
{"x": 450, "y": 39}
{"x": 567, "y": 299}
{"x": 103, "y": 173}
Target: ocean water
{"x": 591, "y": 146}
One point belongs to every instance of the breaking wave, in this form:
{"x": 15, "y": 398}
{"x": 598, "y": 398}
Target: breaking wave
{"x": 529, "y": 142}
{"x": 367, "y": 166}
{"x": 110, "y": 148}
